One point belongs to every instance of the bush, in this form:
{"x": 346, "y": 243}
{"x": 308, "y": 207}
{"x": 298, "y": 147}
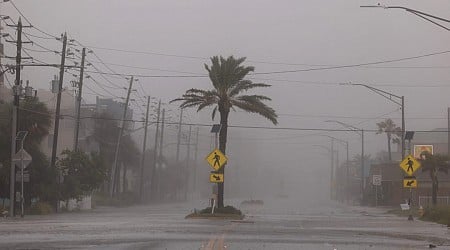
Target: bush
{"x": 222, "y": 210}
{"x": 41, "y": 208}
{"x": 439, "y": 214}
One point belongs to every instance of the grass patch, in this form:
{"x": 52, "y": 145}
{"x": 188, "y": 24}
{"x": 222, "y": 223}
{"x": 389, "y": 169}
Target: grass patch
{"x": 438, "y": 214}
{"x": 228, "y": 212}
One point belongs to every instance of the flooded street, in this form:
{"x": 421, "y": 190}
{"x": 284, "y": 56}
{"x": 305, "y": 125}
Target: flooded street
{"x": 321, "y": 226}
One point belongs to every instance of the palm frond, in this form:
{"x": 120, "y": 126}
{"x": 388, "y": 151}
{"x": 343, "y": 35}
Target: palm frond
{"x": 253, "y": 104}
{"x": 244, "y": 86}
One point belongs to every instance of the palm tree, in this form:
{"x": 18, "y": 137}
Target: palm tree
{"x": 227, "y": 77}
{"x": 433, "y": 164}
{"x": 391, "y": 129}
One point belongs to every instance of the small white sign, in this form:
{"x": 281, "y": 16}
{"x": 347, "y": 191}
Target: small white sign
{"x": 376, "y": 180}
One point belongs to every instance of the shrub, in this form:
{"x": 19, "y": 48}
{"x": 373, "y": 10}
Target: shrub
{"x": 41, "y": 208}
{"x": 222, "y": 210}
{"x": 439, "y": 214}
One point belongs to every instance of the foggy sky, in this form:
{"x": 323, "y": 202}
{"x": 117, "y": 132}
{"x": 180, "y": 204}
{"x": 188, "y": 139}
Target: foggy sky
{"x": 306, "y": 33}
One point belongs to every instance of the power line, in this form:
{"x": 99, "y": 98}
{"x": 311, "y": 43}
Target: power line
{"x": 353, "y": 65}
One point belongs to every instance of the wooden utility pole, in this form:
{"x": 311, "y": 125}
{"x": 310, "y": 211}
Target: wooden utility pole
{"x": 122, "y": 127}
{"x": 144, "y": 148}
{"x": 179, "y": 136}
{"x": 194, "y": 186}
{"x": 58, "y": 111}
{"x": 14, "y": 127}
{"x": 153, "y": 185}
{"x": 78, "y": 107}
{"x": 160, "y": 157}
{"x": 188, "y": 155}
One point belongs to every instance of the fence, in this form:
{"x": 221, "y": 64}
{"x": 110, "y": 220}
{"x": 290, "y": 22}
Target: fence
{"x": 425, "y": 201}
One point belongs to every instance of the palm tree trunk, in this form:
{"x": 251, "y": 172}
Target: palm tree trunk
{"x": 222, "y": 147}
{"x": 389, "y": 147}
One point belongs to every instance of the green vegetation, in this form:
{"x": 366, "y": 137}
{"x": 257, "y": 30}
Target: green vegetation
{"x": 82, "y": 174}
{"x": 438, "y": 214}
{"x": 41, "y": 208}
{"x": 433, "y": 164}
{"x": 227, "y": 212}
{"x": 227, "y": 77}
{"x": 120, "y": 200}
{"x": 391, "y": 130}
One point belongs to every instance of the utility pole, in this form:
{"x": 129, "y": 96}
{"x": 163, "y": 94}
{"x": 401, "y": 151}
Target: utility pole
{"x": 78, "y": 107}
{"x": 403, "y": 126}
{"x": 14, "y": 122}
{"x": 448, "y": 133}
{"x": 144, "y": 148}
{"x": 195, "y": 161}
{"x": 179, "y": 135}
{"x": 188, "y": 155}
{"x": 161, "y": 141}
{"x": 58, "y": 111}
{"x": 155, "y": 155}
{"x": 122, "y": 127}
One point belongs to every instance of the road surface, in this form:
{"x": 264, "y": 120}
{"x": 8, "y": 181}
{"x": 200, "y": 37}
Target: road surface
{"x": 279, "y": 224}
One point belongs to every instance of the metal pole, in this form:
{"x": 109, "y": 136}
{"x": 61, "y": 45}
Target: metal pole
{"x": 14, "y": 127}
{"x": 362, "y": 166}
{"x": 347, "y": 174}
{"x": 331, "y": 172}
{"x": 80, "y": 89}
{"x": 122, "y": 127}
{"x": 403, "y": 127}
{"x": 144, "y": 148}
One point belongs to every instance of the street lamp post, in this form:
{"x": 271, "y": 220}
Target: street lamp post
{"x": 359, "y": 131}
{"x": 331, "y": 151}
{"x": 400, "y": 100}
{"x": 421, "y": 14}
{"x": 347, "y": 178}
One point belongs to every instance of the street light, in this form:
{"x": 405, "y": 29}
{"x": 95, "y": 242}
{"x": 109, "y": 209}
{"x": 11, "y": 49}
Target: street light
{"x": 420, "y": 14}
{"x": 331, "y": 151}
{"x": 347, "y": 163}
{"x": 360, "y": 132}
{"x": 400, "y": 101}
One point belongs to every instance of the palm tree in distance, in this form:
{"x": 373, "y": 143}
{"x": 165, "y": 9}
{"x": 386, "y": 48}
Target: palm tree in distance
{"x": 227, "y": 77}
{"x": 391, "y": 129}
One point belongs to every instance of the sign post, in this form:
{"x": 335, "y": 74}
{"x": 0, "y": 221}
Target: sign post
{"x": 24, "y": 160}
{"x": 376, "y": 180}
{"x": 410, "y": 165}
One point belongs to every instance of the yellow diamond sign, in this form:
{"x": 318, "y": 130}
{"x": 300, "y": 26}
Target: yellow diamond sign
{"x": 215, "y": 178}
{"x": 409, "y": 182}
{"x": 216, "y": 159}
{"x": 410, "y": 165}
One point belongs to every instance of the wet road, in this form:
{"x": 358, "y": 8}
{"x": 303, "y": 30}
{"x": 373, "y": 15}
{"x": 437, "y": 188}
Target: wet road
{"x": 279, "y": 224}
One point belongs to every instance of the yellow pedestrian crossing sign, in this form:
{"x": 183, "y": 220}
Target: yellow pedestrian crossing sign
{"x": 216, "y": 159}
{"x": 409, "y": 182}
{"x": 410, "y": 165}
{"x": 216, "y": 178}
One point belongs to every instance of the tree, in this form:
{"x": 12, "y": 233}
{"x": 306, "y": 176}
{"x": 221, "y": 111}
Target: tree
{"x": 391, "y": 130}
{"x": 433, "y": 164}
{"x": 35, "y": 118}
{"x": 227, "y": 77}
{"x": 83, "y": 173}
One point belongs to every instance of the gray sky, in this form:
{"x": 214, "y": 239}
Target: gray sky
{"x": 279, "y": 33}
